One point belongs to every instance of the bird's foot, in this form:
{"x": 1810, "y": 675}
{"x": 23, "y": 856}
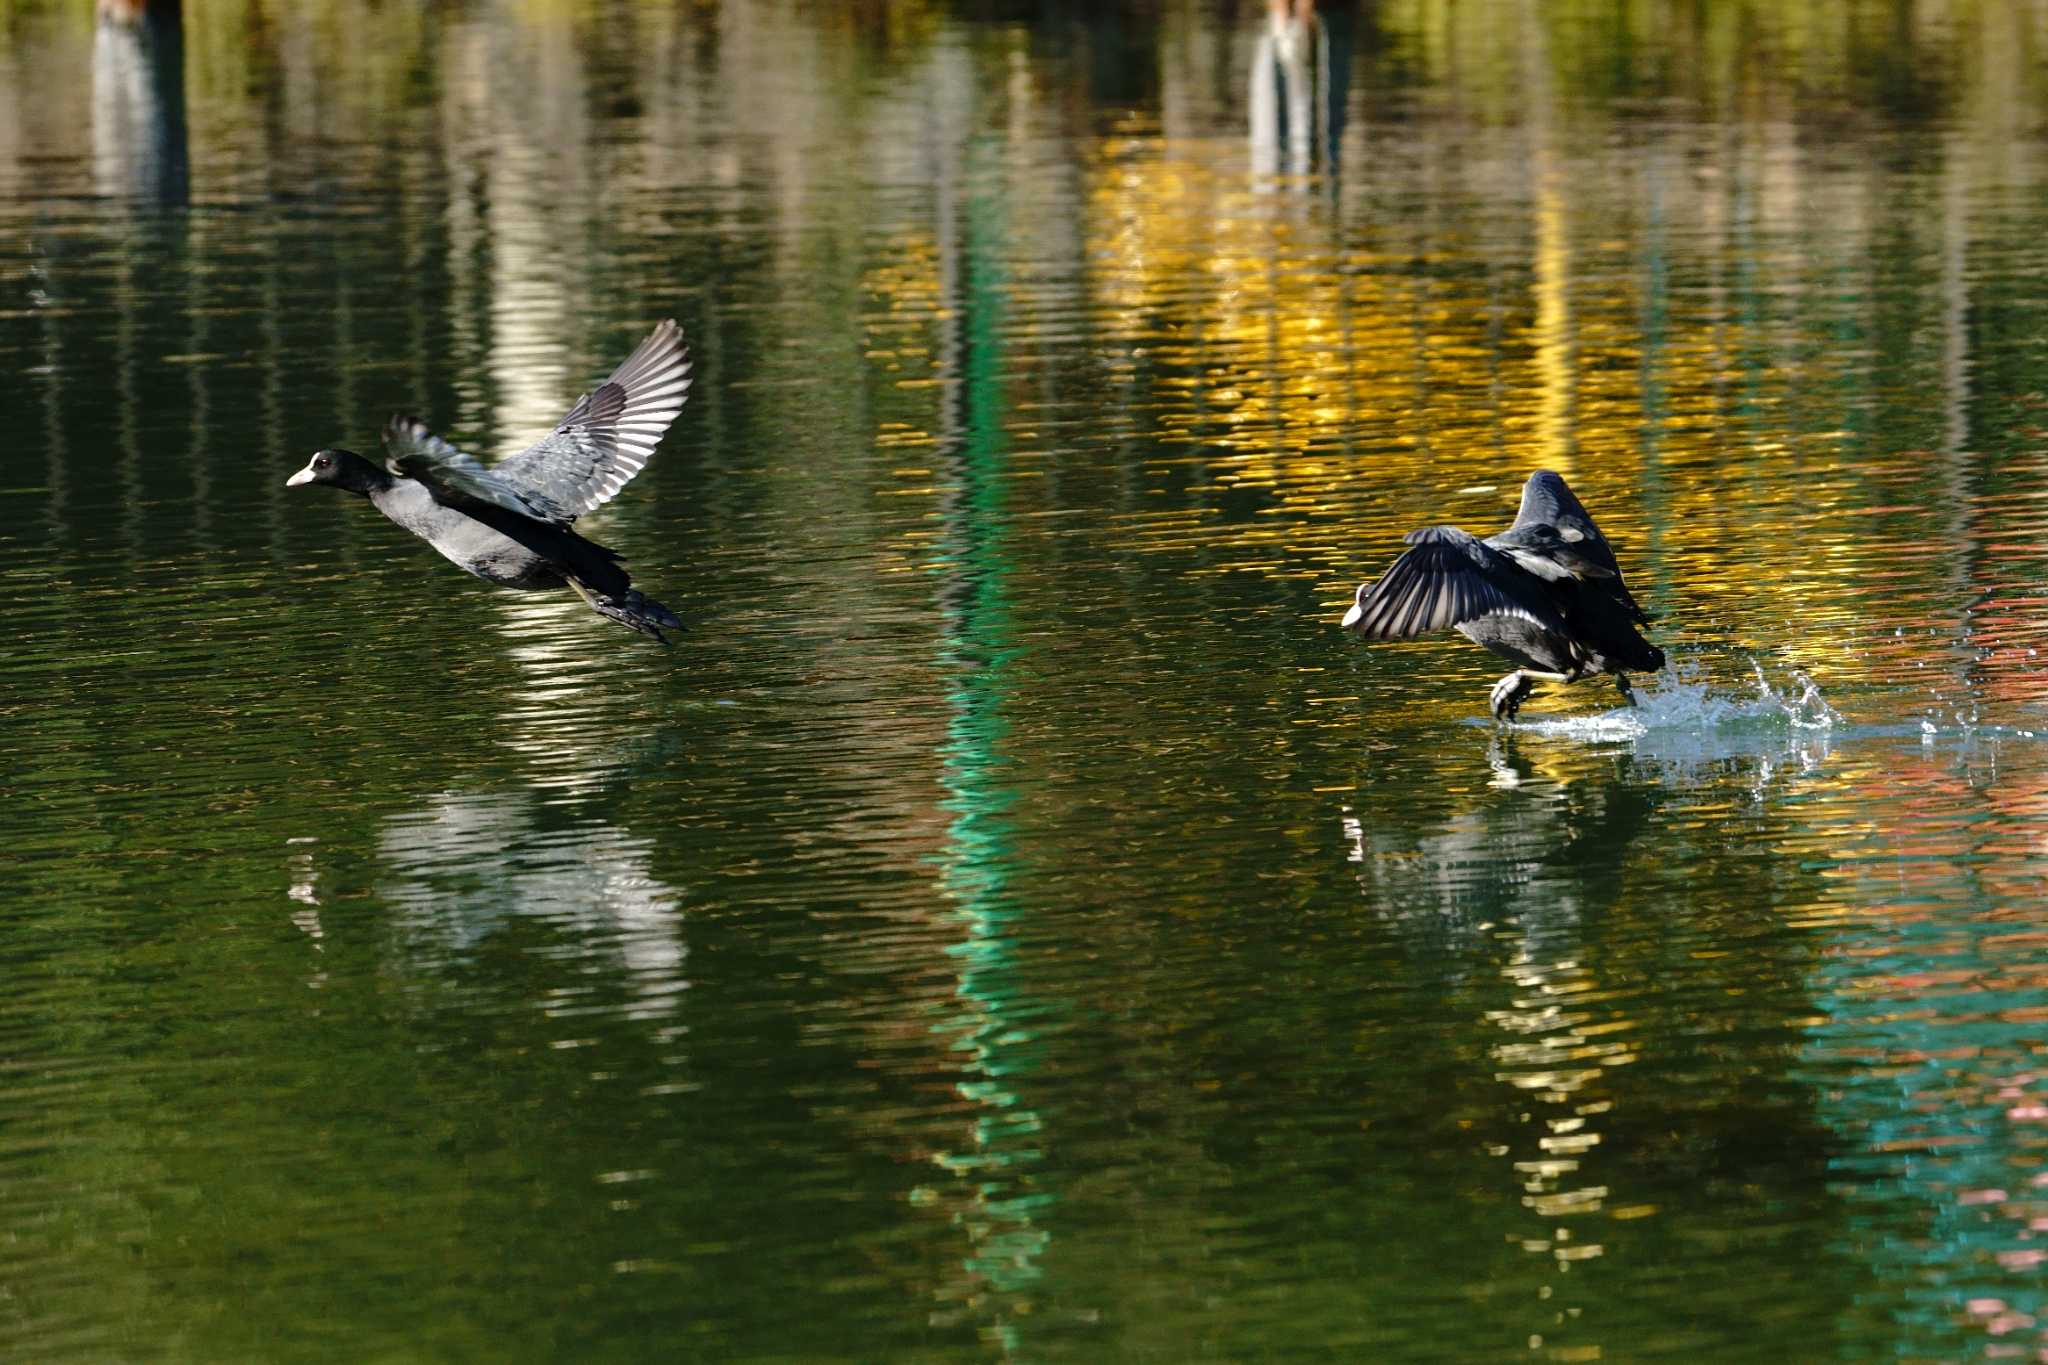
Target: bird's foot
{"x": 635, "y": 611}
{"x": 1628, "y": 693}
{"x": 1509, "y": 694}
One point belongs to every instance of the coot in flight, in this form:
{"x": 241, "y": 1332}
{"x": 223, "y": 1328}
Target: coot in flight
{"x": 1545, "y": 594}
{"x": 509, "y": 523}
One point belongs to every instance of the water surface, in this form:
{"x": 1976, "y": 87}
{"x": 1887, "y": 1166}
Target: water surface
{"x": 1015, "y": 921}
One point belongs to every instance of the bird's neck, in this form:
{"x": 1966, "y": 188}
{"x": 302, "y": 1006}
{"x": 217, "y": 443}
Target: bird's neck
{"x": 372, "y": 482}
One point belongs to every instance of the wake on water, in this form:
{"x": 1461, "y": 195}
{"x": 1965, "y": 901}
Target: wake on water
{"x": 1680, "y": 711}
{"x": 1681, "y": 699}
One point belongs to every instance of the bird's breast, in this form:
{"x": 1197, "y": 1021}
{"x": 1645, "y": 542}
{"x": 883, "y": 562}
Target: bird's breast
{"x": 511, "y": 566}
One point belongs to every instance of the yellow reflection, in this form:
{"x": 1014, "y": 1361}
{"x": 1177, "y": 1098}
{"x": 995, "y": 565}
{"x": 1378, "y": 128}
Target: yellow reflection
{"x": 1563, "y": 1030}
{"x": 1694, "y": 322}
{"x": 1553, "y": 263}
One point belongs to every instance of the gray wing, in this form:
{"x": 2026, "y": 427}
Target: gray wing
{"x": 453, "y": 477}
{"x": 1446, "y": 578}
{"x": 608, "y": 436}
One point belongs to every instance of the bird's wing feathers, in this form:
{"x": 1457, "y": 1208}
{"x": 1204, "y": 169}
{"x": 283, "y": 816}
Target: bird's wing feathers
{"x": 1556, "y": 556}
{"x": 455, "y": 478}
{"x": 1447, "y": 578}
{"x": 603, "y": 441}
{"x": 1546, "y": 500}
{"x": 1554, "y": 537}
{"x": 1555, "y": 525}
{"x": 607, "y": 437}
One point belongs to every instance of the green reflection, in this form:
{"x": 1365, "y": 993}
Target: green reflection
{"x": 991, "y": 1025}
{"x": 1927, "y": 1050}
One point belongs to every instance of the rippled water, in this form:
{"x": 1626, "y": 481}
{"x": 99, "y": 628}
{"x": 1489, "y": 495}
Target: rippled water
{"x": 1015, "y": 920}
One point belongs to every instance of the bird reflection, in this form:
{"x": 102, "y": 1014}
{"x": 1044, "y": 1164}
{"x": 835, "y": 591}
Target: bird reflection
{"x": 1560, "y": 806}
{"x": 1528, "y": 862}
{"x": 1299, "y": 75}
{"x": 1526, "y": 896}
{"x": 536, "y": 855}
{"x": 1471, "y": 870}
{"x": 466, "y": 864}
{"x": 138, "y": 101}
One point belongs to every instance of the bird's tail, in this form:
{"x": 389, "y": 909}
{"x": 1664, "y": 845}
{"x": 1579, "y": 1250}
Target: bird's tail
{"x": 632, "y": 609}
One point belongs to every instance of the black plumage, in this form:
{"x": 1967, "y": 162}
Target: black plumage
{"x": 1546, "y": 594}
{"x": 509, "y": 524}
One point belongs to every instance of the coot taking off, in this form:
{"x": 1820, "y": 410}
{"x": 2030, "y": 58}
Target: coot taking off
{"x": 1545, "y": 593}
{"x": 509, "y": 524}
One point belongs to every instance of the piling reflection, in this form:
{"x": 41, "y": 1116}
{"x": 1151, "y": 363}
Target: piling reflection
{"x": 138, "y": 101}
{"x": 1300, "y": 82}
{"x": 1002, "y": 1198}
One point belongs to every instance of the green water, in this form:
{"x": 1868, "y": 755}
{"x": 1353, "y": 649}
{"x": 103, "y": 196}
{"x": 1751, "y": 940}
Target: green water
{"x": 1014, "y": 921}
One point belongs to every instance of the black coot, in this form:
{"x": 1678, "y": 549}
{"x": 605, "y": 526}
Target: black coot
{"x": 509, "y": 524}
{"x": 1545, "y": 594}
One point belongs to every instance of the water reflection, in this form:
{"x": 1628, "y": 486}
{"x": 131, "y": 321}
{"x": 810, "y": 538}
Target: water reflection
{"x": 138, "y": 101}
{"x": 1541, "y": 898}
{"x": 1927, "y": 1047}
{"x": 1003, "y": 1199}
{"x": 1462, "y": 878}
{"x": 1300, "y": 83}
{"x": 467, "y": 865}
{"x": 1041, "y": 440}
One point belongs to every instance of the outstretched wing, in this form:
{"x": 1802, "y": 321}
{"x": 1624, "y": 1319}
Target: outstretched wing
{"x": 455, "y": 478}
{"x": 608, "y": 436}
{"x": 1447, "y": 578}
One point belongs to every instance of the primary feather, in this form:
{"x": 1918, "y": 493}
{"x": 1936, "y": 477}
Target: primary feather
{"x": 1448, "y": 578}
{"x": 605, "y": 439}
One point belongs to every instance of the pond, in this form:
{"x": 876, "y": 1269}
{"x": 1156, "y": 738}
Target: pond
{"x": 1014, "y": 920}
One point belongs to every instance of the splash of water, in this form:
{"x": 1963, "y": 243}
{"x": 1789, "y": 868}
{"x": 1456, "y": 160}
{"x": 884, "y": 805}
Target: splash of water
{"x": 1682, "y": 701}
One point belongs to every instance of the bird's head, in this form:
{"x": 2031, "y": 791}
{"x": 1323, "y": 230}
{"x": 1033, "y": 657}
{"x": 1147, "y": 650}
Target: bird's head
{"x": 342, "y": 468}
